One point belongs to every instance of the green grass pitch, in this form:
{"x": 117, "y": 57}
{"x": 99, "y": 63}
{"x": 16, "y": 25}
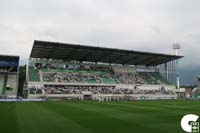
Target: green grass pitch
{"x": 95, "y": 117}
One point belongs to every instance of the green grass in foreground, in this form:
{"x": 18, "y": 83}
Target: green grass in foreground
{"x": 95, "y": 117}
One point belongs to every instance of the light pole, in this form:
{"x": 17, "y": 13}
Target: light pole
{"x": 177, "y": 47}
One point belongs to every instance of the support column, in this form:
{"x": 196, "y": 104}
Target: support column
{"x": 166, "y": 71}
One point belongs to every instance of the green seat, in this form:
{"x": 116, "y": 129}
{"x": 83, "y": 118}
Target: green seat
{"x": 33, "y": 74}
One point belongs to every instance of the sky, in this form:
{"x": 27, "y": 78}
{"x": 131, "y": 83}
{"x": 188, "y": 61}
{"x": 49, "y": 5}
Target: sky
{"x": 146, "y": 25}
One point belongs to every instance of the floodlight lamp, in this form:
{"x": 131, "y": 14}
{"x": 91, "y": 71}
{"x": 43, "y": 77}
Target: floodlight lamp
{"x": 176, "y": 46}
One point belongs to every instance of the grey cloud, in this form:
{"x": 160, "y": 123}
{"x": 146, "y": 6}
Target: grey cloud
{"x": 138, "y": 25}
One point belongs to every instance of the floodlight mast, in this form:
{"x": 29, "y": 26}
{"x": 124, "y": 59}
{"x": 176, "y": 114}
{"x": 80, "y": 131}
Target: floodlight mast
{"x": 177, "y": 47}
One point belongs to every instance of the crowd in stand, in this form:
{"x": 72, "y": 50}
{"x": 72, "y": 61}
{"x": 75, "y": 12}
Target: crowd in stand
{"x": 94, "y": 90}
{"x": 35, "y": 90}
{"x": 128, "y": 78}
{"x": 92, "y": 77}
{"x": 85, "y": 73}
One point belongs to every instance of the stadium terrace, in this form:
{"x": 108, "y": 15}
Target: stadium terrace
{"x": 9, "y": 75}
{"x": 70, "y": 71}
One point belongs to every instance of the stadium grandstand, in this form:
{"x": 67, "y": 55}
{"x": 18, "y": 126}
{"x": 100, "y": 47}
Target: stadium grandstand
{"x": 196, "y": 90}
{"x": 9, "y": 66}
{"x": 71, "y": 71}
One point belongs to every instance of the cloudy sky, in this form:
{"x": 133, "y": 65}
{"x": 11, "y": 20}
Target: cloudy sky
{"x": 147, "y": 25}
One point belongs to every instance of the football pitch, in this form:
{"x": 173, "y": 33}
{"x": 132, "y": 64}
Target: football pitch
{"x": 95, "y": 117}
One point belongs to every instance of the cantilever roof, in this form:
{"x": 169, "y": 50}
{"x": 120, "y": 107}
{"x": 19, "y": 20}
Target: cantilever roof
{"x": 9, "y": 60}
{"x": 69, "y": 52}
